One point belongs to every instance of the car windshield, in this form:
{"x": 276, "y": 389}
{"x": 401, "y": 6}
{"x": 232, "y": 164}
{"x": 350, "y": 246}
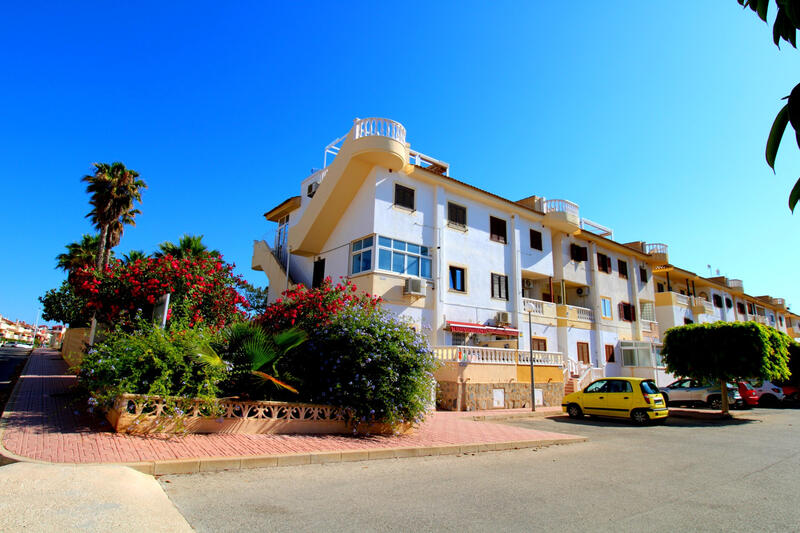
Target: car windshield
{"x": 746, "y": 385}
{"x": 649, "y": 387}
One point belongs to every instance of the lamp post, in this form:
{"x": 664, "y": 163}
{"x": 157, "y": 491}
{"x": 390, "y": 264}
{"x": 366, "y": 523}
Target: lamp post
{"x": 530, "y": 347}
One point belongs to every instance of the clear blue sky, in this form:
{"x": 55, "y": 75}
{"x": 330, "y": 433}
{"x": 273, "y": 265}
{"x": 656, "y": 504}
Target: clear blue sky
{"x": 652, "y": 116}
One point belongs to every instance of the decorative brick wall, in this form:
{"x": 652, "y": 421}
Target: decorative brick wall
{"x": 479, "y": 396}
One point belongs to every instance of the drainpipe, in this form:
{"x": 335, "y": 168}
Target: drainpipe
{"x": 516, "y": 280}
{"x": 437, "y": 281}
{"x": 594, "y": 297}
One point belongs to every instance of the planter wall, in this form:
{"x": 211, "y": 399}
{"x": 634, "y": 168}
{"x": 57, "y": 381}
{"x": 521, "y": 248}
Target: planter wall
{"x": 73, "y": 346}
{"x": 134, "y": 413}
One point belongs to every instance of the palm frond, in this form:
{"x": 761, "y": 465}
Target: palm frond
{"x": 276, "y": 381}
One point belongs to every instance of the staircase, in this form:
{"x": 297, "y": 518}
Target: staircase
{"x": 571, "y": 384}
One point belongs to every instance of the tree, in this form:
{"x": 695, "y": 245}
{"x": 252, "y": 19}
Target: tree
{"x": 787, "y": 22}
{"x": 189, "y": 246}
{"x": 256, "y": 297}
{"x": 727, "y": 351}
{"x": 114, "y": 190}
{"x": 79, "y": 254}
{"x": 64, "y": 306}
{"x": 133, "y": 255}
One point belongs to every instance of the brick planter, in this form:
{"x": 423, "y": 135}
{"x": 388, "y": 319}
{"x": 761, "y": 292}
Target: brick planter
{"x": 139, "y": 414}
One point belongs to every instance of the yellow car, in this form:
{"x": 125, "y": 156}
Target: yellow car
{"x": 635, "y": 398}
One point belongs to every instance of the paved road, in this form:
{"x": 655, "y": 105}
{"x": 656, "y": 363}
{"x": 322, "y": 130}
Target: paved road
{"x": 687, "y": 475}
{"x": 9, "y": 359}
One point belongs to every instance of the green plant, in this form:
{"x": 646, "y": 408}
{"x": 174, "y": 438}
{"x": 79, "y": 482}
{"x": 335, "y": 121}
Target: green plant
{"x": 152, "y": 361}
{"x": 64, "y": 306}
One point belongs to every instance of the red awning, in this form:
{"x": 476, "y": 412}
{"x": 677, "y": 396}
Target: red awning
{"x": 482, "y": 329}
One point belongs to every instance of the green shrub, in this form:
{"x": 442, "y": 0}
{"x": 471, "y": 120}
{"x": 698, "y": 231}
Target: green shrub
{"x": 367, "y": 360}
{"x": 151, "y": 361}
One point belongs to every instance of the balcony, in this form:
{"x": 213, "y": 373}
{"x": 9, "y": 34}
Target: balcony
{"x": 703, "y": 306}
{"x": 563, "y": 215}
{"x": 736, "y": 285}
{"x": 649, "y": 326}
{"x": 539, "y": 308}
{"x": 497, "y": 356}
{"x": 575, "y": 313}
{"x": 382, "y": 127}
{"x": 658, "y": 251}
{"x": 672, "y": 298}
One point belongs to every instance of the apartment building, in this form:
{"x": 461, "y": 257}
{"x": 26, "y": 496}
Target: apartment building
{"x": 489, "y": 280}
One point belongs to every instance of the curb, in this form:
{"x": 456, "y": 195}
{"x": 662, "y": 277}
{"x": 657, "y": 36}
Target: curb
{"x": 216, "y": 464}
{"x": 700, "y": 415}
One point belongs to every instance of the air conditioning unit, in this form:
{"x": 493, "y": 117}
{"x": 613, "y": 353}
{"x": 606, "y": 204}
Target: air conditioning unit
{"x": 527, "y": 283}
{"x": 312, "y": 189}
{"x": 414, "y": 287}
{"x": 582, "y": 291}
{"x": 503, "y": 317}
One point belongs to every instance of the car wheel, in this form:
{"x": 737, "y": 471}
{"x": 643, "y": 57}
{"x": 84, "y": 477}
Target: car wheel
{"x": 574, "y": 411}
{"x": 640, "y": 416}
{"x": 715, "y": 402}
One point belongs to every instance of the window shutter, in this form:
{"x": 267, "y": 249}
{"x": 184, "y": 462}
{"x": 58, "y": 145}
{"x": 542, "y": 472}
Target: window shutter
{"x": 633, "y": 313}
{"x": 621, "y": 309}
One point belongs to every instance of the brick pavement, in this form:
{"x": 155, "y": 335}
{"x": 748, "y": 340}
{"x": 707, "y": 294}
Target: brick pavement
{"x": 43, "y": 422}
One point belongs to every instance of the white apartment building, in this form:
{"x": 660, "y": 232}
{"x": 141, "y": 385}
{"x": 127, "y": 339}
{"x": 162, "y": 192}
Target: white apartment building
{"x": 473, "y": 271}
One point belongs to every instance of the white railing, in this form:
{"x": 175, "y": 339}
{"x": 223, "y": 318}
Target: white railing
{"x": 655, "y": 248}
{"x": 539, "y": 307}
{"x": 582, "y": 313}
{"x": 426, "y": 161}
{"x": 541, "y": 358}
{"x": 649, "y": 325}
{"x": 681, "y": 298}
{"x": 599, "y": 229}
{"x": 735, "y": 284}
{"x": 561, "y": 206}
{"x": 383, "y": 127}
{"x": 502, "y": 356}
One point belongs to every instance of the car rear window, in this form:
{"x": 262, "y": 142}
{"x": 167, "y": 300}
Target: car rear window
{"x": 649, "y": 387}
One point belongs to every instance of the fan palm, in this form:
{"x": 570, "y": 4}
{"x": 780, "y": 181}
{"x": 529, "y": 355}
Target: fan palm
{"x": 188, "y": 247}
{"x": 79, "y": 254}
{"x": 114, "y": 189}
{"x": 133, "y": 256}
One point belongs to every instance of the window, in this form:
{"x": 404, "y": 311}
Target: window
{"x": 578, "y": 253}
{"x": 780, "y": 320}
{"x": 361, "y": 256}
{"x": 751, "y": 309}
{"x": 497, "y": 229}
{"x": 319, "y": 273}
{"x": 457, "y": 282}
{"x": 597, "y": 386}
{"x": 459, "y": 338}
{"x": 636, "y": 356}
{"x": 500, "y": 286}
{"x": 610, "y": 353}
{"x": 728, "y": 303}
{"x": 404, "y": 257}
{"x": 536, "y": 239}
{"x": 403, "y": 196}
{"x": 622, "y": 266}
{"x": 648, "y": 311}
{"x": 627, "y": 312}
{"x": 717, "y": 300}
{"x": 583, "y": 352}
{"x": 456, "y": 215}
{"x": 604, "y": 263}
{"x": 687, "y": 321}
{"x": 643, "y": 275}
{"x": 618, "y": 385}
{"x": 659, "y": 287}
{"x": 740, "y": 308}
{"x": 538, "y": 344}
{"x": 606, "y": 303}
{"x": 788, "y": 322}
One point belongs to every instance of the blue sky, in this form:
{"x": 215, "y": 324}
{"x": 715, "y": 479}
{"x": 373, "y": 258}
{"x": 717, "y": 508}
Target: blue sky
{"x": 651, "y": 116}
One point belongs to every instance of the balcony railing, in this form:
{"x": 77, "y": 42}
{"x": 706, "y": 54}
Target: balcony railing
{"x": 655, "y": 248}
{"x": 383, "y": 127}
{"x": 561, "y": 206}
{"x": 582, "y": 313}
{"x": 502, "y": 356}
{"x": 649, "y": 326}
{"x": 539, "y": 307}
{"x": 735, "y": 284}
{"x": 681, "y": 298}
{"x": 599, "y": 229}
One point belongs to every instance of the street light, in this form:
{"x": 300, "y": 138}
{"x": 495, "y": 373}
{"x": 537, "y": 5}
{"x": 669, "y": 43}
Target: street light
{"x": 530, "y": 348}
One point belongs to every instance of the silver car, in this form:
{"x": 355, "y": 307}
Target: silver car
{"x": 693, "y": 392}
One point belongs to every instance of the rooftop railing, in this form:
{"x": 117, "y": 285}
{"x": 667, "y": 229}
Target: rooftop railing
{"x": 655, "y": 248}
{"x": 382, "y": 127}
{"x": 561, "y": 206}
{"x": 599, "y": 229}
{"x": 735, "y": 284}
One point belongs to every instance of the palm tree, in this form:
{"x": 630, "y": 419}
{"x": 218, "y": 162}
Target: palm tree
{"x": 114, "y": 190}
{"x": 133, "y": 256}
{"x": 188, "y": 247}
{"x": 79, "y": 254}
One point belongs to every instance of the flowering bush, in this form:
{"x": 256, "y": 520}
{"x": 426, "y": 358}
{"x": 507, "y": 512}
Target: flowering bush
{"x": 203, "y": 289}
{"x": 357, "y": 355}
{"x": 151, "y": 361}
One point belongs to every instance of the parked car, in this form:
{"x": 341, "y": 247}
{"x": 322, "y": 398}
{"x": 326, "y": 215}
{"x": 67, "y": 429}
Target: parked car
{"x": 769, "y": 394}
{"x": 693, "y": 392}
{"x": 790, "y": 393}
{"x": 635, "y": 398}
{"x": 748, "y": 394}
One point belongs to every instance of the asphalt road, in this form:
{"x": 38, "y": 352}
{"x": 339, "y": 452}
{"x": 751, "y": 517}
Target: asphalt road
{"x": 9, "y": 359}
{"x": 687, "y": 475}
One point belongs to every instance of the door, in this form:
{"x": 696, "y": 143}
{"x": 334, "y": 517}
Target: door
{"x": 619, "y": 397}
{"x": 594, "y": 398}
{"x": 319, "y": 273}
{"x": 583, "y": 352}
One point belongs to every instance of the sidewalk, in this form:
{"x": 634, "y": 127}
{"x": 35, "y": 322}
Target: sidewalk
{"x": 41, "y": 423}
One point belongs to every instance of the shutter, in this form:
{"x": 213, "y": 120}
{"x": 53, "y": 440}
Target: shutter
{"x": 633, "y": 313}
{"x": 505, "y": 287}
{"x": 621, "y": 308}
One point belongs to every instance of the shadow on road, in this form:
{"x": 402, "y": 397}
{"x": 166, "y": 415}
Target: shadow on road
{"x": 671, "y": 421}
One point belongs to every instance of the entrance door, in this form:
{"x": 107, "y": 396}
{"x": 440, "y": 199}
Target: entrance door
{"x": 583, "y": 352}
{"x": 319, "y": 273}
